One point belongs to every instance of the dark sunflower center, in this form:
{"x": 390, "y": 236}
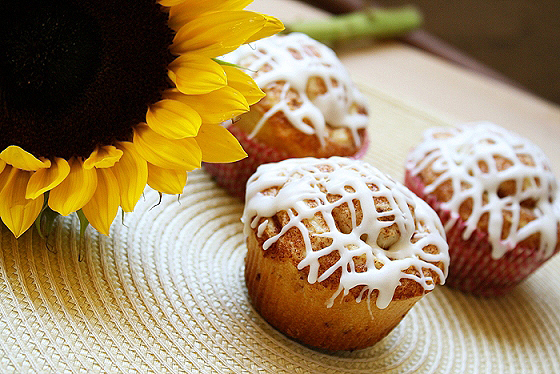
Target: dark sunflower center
{"x": 79, "y": 73}
{"x": 47, "y": 50}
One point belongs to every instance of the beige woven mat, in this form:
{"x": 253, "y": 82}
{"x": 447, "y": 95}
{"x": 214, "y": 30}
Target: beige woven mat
{"x": 165, "y": 293}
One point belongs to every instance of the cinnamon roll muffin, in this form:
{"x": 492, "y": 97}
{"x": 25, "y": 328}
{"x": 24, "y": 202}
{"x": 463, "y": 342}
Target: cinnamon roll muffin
{"x": 498, "y": 199}
{"x": 338, "y": 252}
{"x": 311, "y": 107}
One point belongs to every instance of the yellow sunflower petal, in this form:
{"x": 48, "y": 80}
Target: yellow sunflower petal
{"x": 214, "y": 107}
{"x": 21, "y": 159}
{"x": 184, "y": 154}
{"x": 182, "y": 13}
{"x": 76, "y": 189}
{"x": 44, "y": 180}
{"x": 218, "y": 145}
{"x": 17, "y": 212}
{"x": 173, "y": 119}
{"x": 271, "y": 27}
{"x": 243, "y": 83}
{"x": 4, "y": 174}
{"x": 132, "y": 175}
{"x": 169, "y": 3}
{"x": 209, "y": 74}
{"x": 215, "y": 34}
{"x": 103, "y": 157}
{"x": 166, "y": 180}
{"x": 102, "y": 208}
{"x": 2, "y": 165}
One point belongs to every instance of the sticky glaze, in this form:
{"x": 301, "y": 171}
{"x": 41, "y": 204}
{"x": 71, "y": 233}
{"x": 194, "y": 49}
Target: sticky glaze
{"x": 304, "y": 180}
{"x": 293, "y": 60}
{"x": 457, "y": 157}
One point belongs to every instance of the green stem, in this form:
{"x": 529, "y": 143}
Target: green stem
{"x": 371, "y": 22}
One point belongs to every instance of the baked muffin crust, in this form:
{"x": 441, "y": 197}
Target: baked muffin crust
{"x": 338, "y": 252}
{"x": 492, "y": 180}
{"x": 348, "y": 227}
{"x": 311, "y": 107}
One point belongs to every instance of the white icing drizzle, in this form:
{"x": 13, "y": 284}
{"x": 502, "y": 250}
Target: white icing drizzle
{"x": 303, "y": 180}
{"x": 458, "y": 157}
{"x": 336, "y": 107}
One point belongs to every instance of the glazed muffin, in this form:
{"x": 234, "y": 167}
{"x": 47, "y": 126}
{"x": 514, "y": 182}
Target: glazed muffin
{"x": 311, "y": 107}
{"x": 338, "y": 252}
{"x": 498, "y": 199}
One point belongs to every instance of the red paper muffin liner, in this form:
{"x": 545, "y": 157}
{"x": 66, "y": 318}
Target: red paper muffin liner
{"x": 472, "y": 268}
{"x": 234, "y": 176}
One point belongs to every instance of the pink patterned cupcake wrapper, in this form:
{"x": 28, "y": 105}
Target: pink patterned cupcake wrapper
{"x": 472, "y": 268}
{"x": 234, "y": 176}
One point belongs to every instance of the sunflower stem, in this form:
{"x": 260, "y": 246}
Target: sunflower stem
{"x": 370, "y": 22}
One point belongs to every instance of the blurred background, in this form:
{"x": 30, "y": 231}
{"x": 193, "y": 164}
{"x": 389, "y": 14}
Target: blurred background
{"x": 517, "y": 38}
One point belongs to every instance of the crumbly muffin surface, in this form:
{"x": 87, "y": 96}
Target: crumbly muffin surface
{"x": 348, "y": 226}
{"x": 494, "y": 181}
{"x": 309, "y": 94}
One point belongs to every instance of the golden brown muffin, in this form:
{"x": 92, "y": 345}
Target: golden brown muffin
{"x": 338, "y": 252}
{"x": 311, "y": 108}
{"x": 498, "y": 199}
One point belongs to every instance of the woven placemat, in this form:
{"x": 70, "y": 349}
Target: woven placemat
{"x": 165, "y": 293}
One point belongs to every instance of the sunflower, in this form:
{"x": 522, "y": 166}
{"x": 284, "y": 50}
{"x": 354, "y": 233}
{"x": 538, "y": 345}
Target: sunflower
{"x": 100, "y": 98}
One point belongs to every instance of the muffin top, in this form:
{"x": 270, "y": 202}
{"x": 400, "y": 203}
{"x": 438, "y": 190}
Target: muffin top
{"x": 306, "y": 84}
{"x": 493, "y": 180}
{"x": 348, "y": 226}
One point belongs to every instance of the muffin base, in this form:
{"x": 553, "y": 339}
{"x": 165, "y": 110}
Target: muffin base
{"x": 472, "y": 268}
{"x": 282, "y": 295}
{"x": 234, "y": 176}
